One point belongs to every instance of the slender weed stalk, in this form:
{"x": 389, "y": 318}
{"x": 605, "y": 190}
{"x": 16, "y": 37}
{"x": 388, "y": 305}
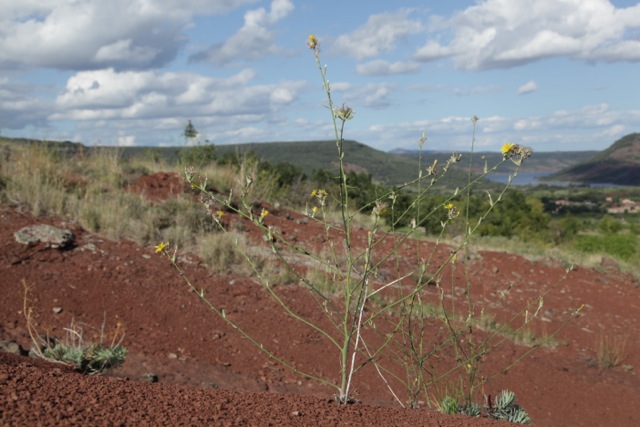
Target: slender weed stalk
{"x": 375, "y": 306}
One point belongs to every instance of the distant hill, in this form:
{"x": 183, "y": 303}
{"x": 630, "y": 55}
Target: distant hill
{"x": 619, "y": 164}
{"x": 314, "y": 155}
{"x": 397, "y": 166}
{"x": 389, "y": 168}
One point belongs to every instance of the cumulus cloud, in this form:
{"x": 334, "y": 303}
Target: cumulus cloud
{"x": 254, "y": 40}
{"x": 110, "y": 95}
{"x": 92, "y": 34}
{"x": 371, "y": 95}
{"x": 381, "y": 33}
{"x": 529, "y": 87}
{"x": 508, "y": 33}
{"x": 152, "y": 107}
{"x": 380, "y": 67}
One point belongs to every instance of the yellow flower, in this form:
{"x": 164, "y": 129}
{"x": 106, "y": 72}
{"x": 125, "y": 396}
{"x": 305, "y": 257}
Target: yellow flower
{"x": 507, "y": 148}
{"x": 312, "y": 42}
{"x": 263, "y": 213}
{"x": 161, "y": 247}
{"x": 452, "y": 212}
{"x": 219, "y": 214}
{"x": 315, "y": 209}
{"x": 320, "y": 195}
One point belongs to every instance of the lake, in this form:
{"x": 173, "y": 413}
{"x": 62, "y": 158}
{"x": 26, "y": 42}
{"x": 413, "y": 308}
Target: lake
{"x": 532, "y": 178}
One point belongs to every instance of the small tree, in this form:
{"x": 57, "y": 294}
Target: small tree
{"x": 190, "y": 132}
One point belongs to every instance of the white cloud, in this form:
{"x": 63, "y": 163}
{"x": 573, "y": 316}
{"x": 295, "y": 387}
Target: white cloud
{"x": 529, "y": 87}
{"x": 508, "y": 33}
{"x": 123, "y": 51}
{"x": 527, "y": 124}
{"x": 380, "y": 67}
{"x": 584, "y": 128}
{"x": 109, "y": 94}
{"x": 126, "y": 141}
{"x": 381, "y": 33}
{"x": 614, "y": 131}
{"x": 152, "y": 107}
{"x": 254, "y": 40}
{"x": 432, "y": 50}
{"x": 91, "y": 34}
{"x": 21, "y": 104}
{"x": 370, "y": 95}
{"x": 340, "y": 86}
{"x": 377, "y": 96}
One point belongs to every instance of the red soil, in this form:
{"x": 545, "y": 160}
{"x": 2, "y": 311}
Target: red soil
{"x": 209, "y": 375}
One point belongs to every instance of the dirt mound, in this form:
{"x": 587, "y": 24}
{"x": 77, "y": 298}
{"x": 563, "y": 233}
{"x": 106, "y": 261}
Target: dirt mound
{"x": 158, "y": 186}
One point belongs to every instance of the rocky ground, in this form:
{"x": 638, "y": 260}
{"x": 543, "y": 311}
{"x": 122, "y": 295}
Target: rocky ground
{"x": 208, "y": 375}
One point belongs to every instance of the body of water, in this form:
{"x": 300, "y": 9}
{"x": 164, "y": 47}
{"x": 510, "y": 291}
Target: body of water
{"x": 523, "y": 178}
{"x": 532, "y": 178}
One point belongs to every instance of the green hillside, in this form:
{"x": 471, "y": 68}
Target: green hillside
{"x": 385, "y": 168}
{"x": 619, "y": 164}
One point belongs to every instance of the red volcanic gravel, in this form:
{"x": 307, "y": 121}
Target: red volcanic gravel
{"x": 44, "y": 394}
{"x": 209, "y": 375}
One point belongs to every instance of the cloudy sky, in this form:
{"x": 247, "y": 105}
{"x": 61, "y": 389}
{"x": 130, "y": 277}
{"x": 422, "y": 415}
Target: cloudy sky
{"x": 552, "y": 74}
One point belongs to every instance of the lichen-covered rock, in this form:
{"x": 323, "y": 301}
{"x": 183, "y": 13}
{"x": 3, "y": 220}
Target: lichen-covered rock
{"x": 42, "y": 233}
{"x": 12, "y": 347}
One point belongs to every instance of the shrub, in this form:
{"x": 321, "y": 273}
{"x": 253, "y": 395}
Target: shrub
{"x": 504, "y": 407}
{"x": 622, "y": 246}
{"x": 85, "y": 356}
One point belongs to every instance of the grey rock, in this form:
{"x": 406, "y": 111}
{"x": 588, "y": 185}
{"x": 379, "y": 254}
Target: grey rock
{"x": 42, "y": 233}
{"x": 149, "y": 377}
{"x": 12, "y": 347}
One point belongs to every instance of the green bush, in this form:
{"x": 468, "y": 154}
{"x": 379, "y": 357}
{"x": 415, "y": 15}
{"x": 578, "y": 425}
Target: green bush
{"x": 88, "y": 358}
{"x": 622, "y": 246}
{"x": 504, "y": 407}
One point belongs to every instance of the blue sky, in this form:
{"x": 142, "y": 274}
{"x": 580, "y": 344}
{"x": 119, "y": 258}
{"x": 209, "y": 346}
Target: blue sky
{"x": 551, "y": 74}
